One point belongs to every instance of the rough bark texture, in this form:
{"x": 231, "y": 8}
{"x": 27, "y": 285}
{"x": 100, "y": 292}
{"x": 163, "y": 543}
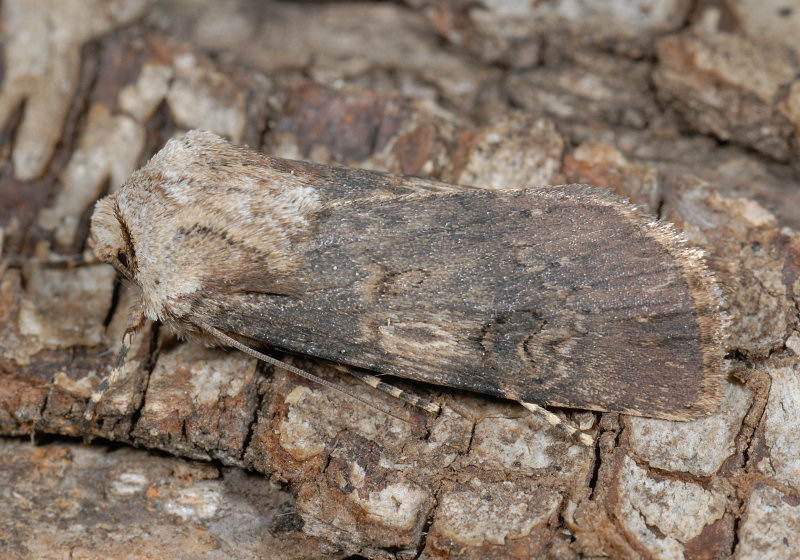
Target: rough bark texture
{"x": 690, "y": 109}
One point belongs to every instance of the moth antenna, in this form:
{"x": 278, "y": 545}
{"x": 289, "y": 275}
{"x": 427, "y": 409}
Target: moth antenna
{"x": 377, "y": 383}
{"x": 230, "y": 341}
{"x": 55, "y": 261}
{"x": 557, "y": 422}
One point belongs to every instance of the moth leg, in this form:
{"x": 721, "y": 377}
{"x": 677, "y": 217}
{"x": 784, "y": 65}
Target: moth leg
{"x": 135, "y": 322}
{"x": 376, "y": 383}
{"x": 230, "y": 341}
{"x": 557, "y": 422}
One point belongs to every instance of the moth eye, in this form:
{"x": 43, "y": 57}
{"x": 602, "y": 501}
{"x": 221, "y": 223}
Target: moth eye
{"x": 122, "y": 258}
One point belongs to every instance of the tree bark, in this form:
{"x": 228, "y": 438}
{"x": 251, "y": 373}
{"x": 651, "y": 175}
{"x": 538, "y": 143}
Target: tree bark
{"x": 696, "y": 123}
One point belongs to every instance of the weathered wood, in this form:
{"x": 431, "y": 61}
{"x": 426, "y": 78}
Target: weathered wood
{"x": 483, "y": 479}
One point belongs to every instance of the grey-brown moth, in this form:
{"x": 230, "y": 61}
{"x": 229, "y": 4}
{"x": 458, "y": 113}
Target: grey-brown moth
{"x": 565, "y": 296}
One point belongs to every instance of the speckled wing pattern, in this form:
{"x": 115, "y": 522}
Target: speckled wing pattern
{"x": 565, "y": 296}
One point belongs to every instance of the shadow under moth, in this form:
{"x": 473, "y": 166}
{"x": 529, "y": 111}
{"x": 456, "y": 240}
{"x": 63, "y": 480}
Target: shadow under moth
{"x": 565, "y": 296}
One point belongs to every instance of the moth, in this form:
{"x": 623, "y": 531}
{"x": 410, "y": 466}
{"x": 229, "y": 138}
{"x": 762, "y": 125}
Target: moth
{"x": 565, "y": 296}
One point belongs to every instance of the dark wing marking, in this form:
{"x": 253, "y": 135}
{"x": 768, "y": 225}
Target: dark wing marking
{"x": 565, "y": 296}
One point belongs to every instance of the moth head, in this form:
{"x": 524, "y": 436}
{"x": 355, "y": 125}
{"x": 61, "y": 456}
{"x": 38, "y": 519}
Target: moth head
{"x": 110, "y": 238}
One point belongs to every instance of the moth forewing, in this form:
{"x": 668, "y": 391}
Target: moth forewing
{"x": 550, "y": 295}
{"x": 557, "y": 295}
